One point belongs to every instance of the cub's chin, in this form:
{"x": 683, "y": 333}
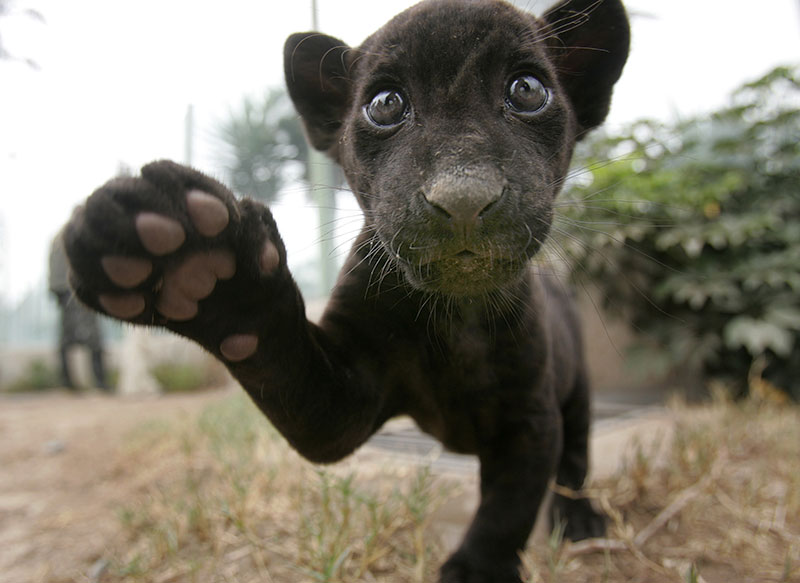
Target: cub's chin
{"x": 464, "y": 275}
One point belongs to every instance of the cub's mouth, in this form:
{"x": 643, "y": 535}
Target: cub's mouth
{"x": 463, "y": 274}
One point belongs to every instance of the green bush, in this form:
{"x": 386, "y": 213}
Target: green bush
{"x": 692, "y": 231}
{"x": 180, "y": 378}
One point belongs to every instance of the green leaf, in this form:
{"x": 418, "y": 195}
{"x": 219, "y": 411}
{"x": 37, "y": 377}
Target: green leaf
{"x": 757, "y": 336}
{"x": 784, "y": 316}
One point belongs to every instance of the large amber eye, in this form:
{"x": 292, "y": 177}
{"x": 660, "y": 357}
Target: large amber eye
{"x": 387, "y": 109}
{"x": 526, "y": 94}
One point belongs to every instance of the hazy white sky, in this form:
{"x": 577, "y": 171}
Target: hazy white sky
{"x": 116, "y": 77}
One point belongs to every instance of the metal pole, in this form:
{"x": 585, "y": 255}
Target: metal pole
{"x": 323, "y": 178}
{"x": 188, "y": 136}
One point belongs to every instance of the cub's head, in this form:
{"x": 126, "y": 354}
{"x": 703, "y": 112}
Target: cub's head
{"x": 455, "y": 124}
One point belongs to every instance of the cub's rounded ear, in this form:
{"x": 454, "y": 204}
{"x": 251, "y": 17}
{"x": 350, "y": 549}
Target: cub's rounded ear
{"x": 589, "y": 41}
{"x": 315, "y": 67}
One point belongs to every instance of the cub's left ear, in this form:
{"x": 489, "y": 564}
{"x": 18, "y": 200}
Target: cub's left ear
{"x": 315, "y": 67}
{"x": 589, "y": 41}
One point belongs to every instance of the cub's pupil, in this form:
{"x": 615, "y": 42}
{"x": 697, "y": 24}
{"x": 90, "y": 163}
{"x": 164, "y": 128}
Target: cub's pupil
{"x": 387, "y": 108}
{"x": 527, "y": 94}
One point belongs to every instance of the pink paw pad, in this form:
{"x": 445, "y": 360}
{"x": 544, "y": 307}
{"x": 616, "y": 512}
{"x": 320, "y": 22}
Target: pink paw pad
{"x": 123, "y": 307}
{"x": 239, "y": 347}
{"x": 208, "y": 213}
{"x": 269, "y": 258}
{"x": 126, "y": 272}
{"x": 192, "y": 281}
{"x": 159, "y": 234}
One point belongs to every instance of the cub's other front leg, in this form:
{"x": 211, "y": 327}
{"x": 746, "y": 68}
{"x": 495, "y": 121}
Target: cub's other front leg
{"x": 515, "y": 470}
{"x": 174, "y": 248}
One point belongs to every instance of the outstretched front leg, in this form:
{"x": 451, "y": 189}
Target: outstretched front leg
{"x": 174, "y": 248}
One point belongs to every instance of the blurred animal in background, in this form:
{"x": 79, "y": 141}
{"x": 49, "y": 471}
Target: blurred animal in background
{"x": 79, "y": 325}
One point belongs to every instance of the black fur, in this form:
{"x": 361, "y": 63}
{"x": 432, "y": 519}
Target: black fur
{"x": 437, "y": 313}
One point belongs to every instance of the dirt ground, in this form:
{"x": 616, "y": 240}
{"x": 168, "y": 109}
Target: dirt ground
{"x": 718, "y": 503}
{"x": 63, "y": 479}
{"x": 60, "y": 482}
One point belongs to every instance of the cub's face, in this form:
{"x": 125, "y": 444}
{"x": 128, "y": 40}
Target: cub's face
{"x": 455, "y": 131}
{"x": 457, "y": 138}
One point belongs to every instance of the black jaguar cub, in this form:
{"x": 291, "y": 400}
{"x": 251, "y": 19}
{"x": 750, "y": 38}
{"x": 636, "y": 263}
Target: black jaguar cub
{"x": 454, "y": 124}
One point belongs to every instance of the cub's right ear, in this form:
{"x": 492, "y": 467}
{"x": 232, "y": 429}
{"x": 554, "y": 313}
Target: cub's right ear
{"x": 589, "y": 40}
{"x": 315, "y": 67}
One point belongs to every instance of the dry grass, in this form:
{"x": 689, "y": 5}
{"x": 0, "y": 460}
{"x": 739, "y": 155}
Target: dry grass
{"x": 223, "y": 499}
{"x": 720, "y": 503}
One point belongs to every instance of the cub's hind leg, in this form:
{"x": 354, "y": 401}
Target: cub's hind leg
{"x": 575, "y": 512}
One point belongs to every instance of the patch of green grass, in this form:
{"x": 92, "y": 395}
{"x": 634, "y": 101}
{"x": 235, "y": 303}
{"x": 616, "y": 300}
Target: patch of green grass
{"x": 38, "y": 375}
{"x": 179, "y": 378}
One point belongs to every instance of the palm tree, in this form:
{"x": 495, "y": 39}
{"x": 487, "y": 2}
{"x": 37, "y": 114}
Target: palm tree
{"x": 266, "y": 146}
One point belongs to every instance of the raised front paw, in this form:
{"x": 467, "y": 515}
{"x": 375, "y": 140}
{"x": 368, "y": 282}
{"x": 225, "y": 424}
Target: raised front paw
{"x": 175, "y": 248}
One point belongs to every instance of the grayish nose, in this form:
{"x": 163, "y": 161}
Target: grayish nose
{"x": 465, "y": 193}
